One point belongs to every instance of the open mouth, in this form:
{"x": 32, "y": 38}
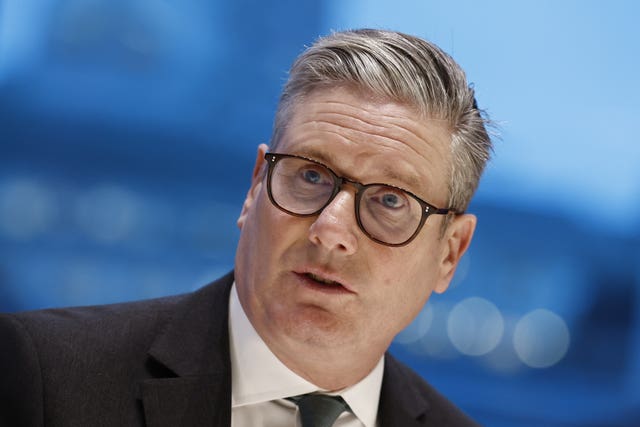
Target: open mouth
{"x": 322, "y": 280}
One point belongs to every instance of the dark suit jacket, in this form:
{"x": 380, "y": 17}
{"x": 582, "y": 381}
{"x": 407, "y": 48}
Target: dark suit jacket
{"x": 155, "y": 363}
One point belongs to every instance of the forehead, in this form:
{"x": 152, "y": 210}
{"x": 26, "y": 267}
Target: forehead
{"x": 370, "y": 140}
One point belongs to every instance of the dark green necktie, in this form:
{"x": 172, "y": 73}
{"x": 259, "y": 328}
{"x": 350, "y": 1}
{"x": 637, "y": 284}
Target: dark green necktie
{"x": 319, "y": 410}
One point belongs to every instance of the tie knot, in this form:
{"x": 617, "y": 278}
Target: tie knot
{"x": 319, "y": 410}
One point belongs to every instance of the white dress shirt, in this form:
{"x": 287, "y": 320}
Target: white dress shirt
{"x": 260, "y": 382}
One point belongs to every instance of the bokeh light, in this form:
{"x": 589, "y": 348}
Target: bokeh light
{"x": 27, "y": 208}
{"x": 475, "y": 326}
{"x": 541, "y": 338}
{"x": 108, "y": 213}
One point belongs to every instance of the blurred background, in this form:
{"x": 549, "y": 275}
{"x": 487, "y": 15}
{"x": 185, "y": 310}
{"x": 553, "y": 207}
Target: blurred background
{"x": 128, "y": 131}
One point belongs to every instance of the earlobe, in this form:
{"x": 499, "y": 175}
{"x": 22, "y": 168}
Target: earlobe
{"x": 458, "y": 238}
{"x": 256, "y": 184}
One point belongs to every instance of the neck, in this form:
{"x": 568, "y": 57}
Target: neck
{"x": 330, "y": 370}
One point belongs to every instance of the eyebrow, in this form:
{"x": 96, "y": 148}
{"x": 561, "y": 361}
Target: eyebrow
{"x": 408, "y": 183}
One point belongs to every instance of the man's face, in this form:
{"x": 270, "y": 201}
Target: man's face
{"x": 283, "y": 261}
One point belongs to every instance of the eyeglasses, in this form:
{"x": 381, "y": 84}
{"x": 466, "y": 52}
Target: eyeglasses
{"x": 388, "y": 215}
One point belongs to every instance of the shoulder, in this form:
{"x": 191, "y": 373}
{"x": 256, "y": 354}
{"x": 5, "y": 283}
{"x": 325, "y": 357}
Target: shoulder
{"x": 55, "y": 359}
{"x": 65, "y": 363}
{"x": 124, "y": 326}
{"x": 405, "y": 391}
{"x": 21, "y": 375}
{"x": 78, "y": 326}
{"x": 64, "y": 347}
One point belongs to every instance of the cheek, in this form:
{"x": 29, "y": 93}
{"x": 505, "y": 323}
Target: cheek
{"x": 263, "y": 220}
{"x": 256, "y": 239}
{"x": 271, "y": 232}
{"x": 406, "y": 282}
{"x": 407, "y": 266}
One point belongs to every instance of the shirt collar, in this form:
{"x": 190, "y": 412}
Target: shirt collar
{"x": 257, "y": 375}
{"x": 363, "y": 397}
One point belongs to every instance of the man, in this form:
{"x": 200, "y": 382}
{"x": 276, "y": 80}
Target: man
{"x": 353, "y": 218}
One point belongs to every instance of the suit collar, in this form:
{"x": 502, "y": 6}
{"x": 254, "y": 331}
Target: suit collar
{"x": 400, "y": 403}
{"x": 193, "y": 352}
{"x": 196, "y": 339}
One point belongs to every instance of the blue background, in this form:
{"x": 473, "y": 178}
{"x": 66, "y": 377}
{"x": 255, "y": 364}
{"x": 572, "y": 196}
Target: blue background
{"x": 128, "y": 132}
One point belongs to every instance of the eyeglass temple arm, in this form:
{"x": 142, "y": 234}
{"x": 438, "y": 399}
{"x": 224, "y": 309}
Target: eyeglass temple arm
{"x": 446, "y": 211}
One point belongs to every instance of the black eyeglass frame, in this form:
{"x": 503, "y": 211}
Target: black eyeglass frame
{"x": 338, "y": 182}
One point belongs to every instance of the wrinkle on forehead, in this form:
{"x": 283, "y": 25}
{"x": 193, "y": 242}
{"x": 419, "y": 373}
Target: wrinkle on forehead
{"x": 384, "y": 119}
{"x": 384, "y": 136}
{"x": 374, "y": 129}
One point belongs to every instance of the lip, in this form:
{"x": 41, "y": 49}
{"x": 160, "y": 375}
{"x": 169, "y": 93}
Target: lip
{"x": 303, "y": 274}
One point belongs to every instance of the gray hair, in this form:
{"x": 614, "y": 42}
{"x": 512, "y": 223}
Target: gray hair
{"x": 403, "y": 69}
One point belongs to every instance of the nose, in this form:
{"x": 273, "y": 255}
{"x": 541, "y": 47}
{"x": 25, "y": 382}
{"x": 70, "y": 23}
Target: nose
{"x": 335, "y": 227}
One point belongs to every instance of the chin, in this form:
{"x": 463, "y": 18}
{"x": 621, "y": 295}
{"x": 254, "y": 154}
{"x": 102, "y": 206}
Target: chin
{"x": 318, "y": 328}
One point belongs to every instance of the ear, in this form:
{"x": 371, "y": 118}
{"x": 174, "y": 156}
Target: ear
{"x": 256, "y": 184}
{"x": 456, "y": 241}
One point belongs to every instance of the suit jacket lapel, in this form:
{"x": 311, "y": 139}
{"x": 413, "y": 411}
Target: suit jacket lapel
{"x": 171, "y": 402}
{"x": 400, "y": 403}
{"x": 193, "y": 352}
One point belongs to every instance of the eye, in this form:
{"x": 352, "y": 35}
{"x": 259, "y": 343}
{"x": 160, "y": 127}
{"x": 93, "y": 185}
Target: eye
{"x": 311, "y": 176}
{"x": 390, "y": 200}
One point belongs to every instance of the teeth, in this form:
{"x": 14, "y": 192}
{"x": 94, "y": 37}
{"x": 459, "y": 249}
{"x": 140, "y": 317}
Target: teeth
{"x": 320, "y": 279}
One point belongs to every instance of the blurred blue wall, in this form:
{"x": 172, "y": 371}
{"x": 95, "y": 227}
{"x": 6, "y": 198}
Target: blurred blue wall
{"x": 128, "y": 132}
